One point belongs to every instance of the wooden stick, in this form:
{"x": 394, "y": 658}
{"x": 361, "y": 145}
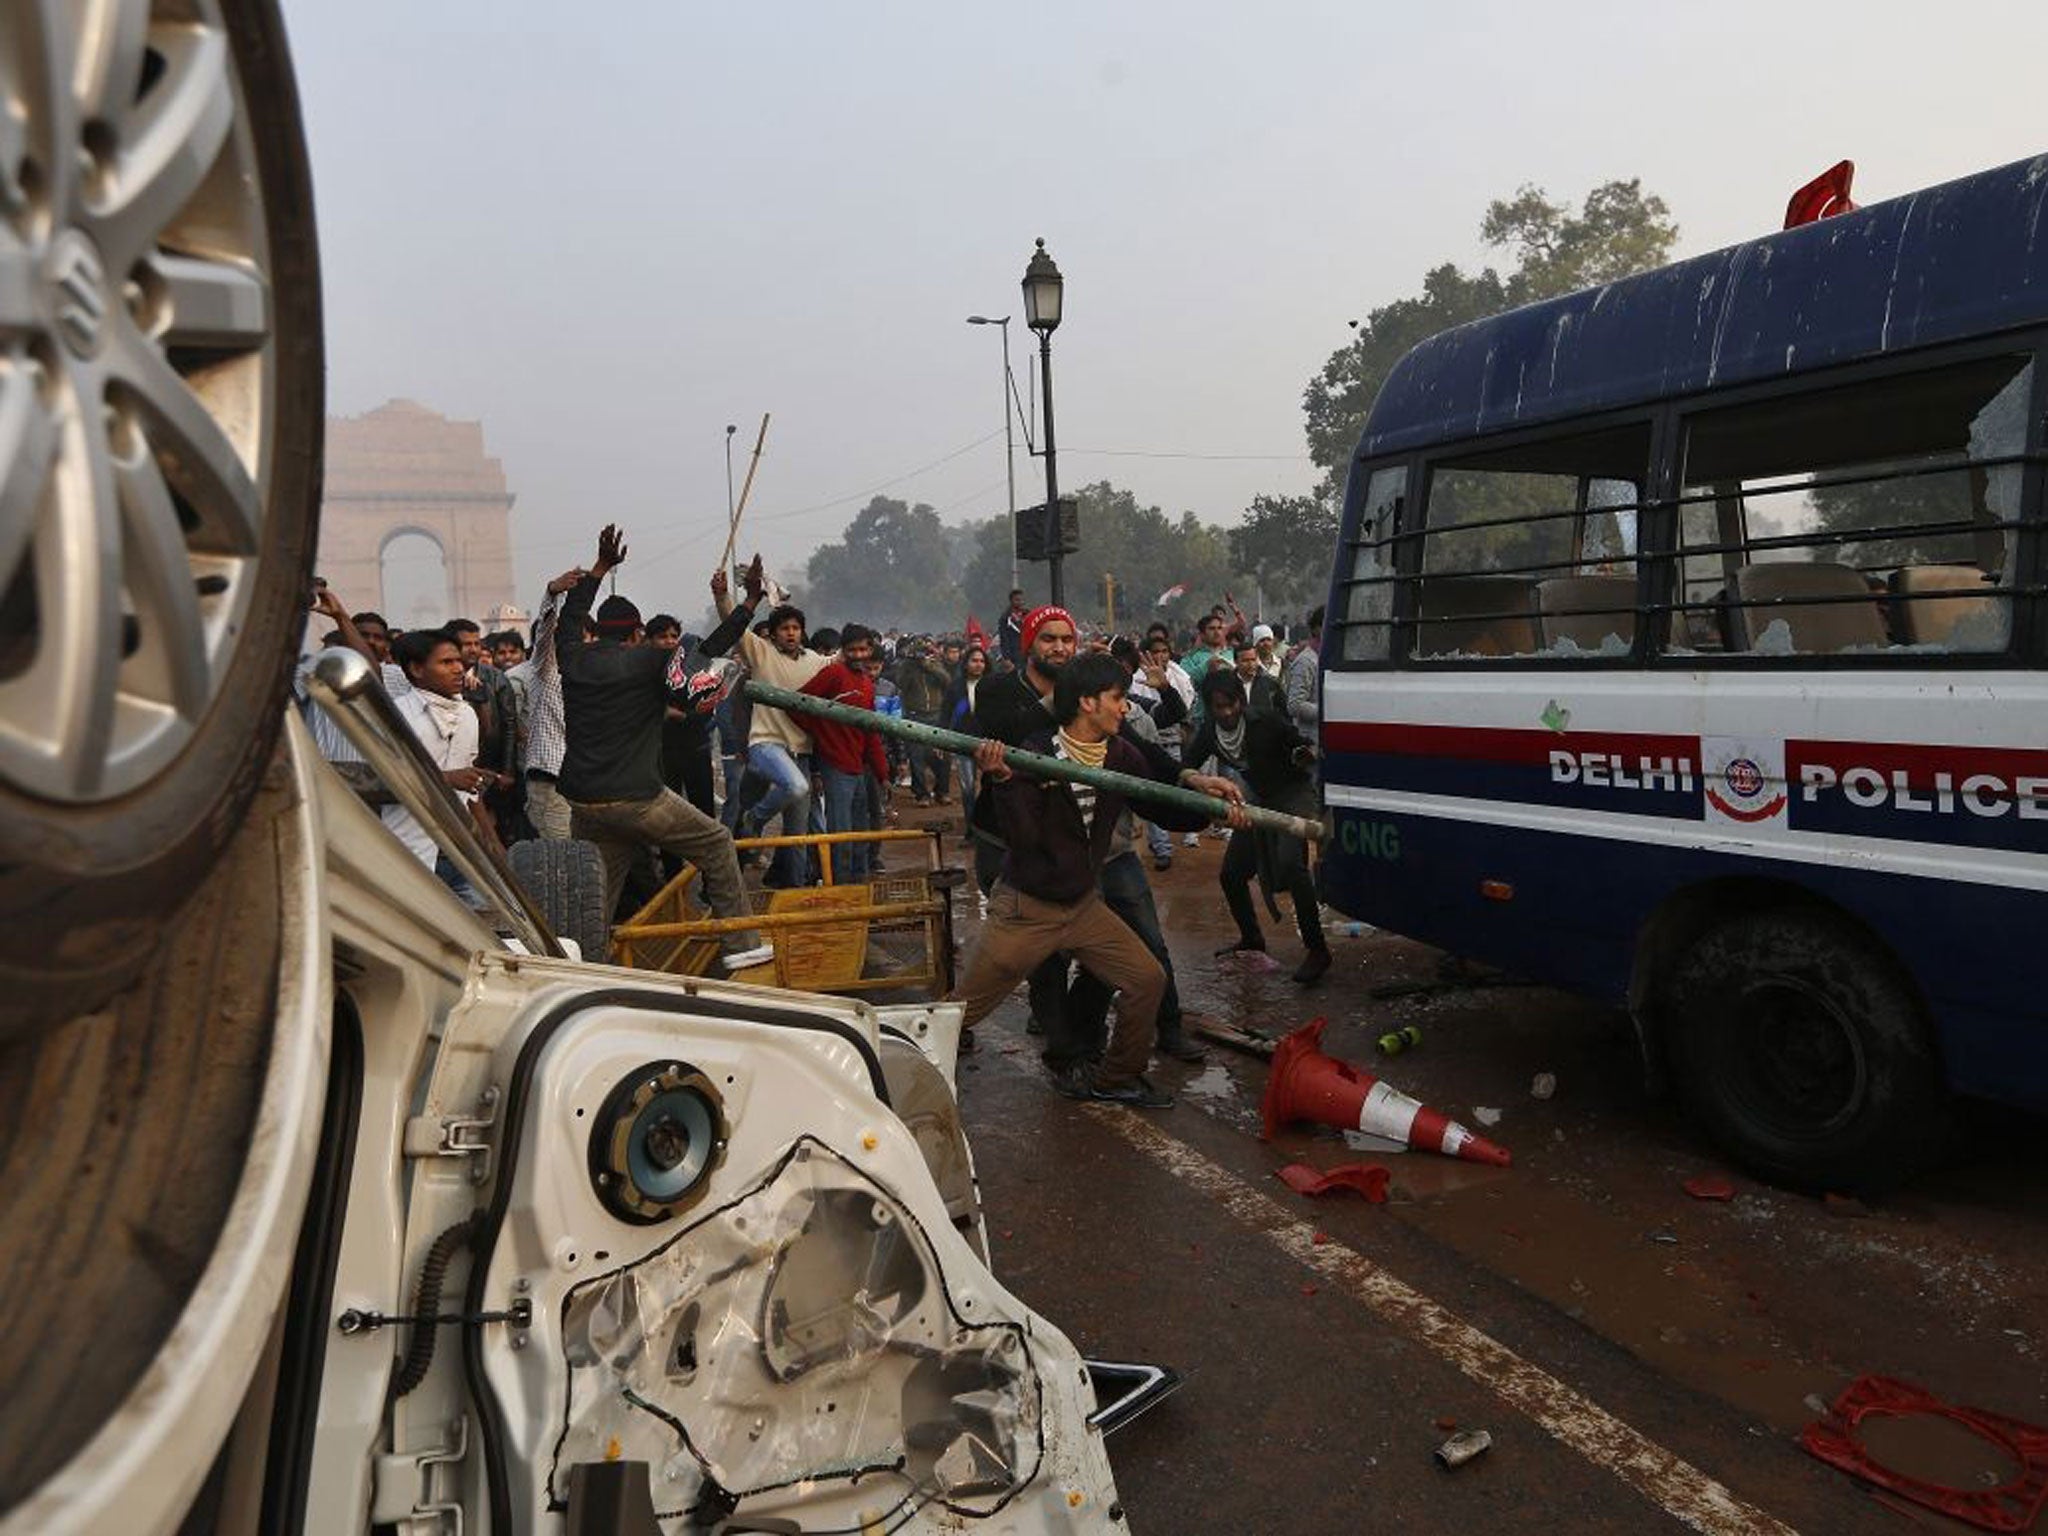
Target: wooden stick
{"x": 732, "y": 534}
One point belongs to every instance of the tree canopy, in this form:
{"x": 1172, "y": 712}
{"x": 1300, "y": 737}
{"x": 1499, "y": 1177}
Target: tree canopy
{"x": 889, "y": 567}
{"x": 1619, "y": 229}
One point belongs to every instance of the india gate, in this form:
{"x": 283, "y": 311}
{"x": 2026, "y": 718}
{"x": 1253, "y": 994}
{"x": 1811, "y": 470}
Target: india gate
{"x": 402, "y": 469}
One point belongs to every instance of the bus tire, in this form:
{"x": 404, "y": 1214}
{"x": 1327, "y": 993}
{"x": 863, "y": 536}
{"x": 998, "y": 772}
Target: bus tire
{"x": 1802, "y": 1048}
{"x": 565, "y": 878}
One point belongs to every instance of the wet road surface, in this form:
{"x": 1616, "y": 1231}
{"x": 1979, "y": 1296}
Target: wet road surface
{"x": 1641, "y": 1358}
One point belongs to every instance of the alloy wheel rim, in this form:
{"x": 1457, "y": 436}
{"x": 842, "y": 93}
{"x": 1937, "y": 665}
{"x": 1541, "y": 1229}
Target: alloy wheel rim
{"x": 137, "y": 375}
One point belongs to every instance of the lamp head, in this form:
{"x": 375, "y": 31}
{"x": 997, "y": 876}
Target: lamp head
{"x": 1043, "y": 291}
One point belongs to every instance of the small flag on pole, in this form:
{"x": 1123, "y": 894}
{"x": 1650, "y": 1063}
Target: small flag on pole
{"x": 1178, "y": 589}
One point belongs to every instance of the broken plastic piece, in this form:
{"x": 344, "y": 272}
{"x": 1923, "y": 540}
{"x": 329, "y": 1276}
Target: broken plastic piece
{"x": 1709, "y": 1186}
{"x": 2010, "y": 1507}
{"x": 1365, "y": 1179}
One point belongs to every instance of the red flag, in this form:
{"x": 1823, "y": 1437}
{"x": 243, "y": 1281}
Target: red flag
{"x": 1178, "y": 589}
{"x": 976, "y": 635}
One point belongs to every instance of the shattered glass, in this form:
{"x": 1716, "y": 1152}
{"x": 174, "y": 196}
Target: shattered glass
{"x": 802, "y": 1333}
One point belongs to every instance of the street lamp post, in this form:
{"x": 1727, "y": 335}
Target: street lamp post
{"x": 1009, "y": 439}
{"x": 1044, "y": 290}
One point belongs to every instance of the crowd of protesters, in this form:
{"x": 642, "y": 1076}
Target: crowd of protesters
{"x": 634, "y": 736}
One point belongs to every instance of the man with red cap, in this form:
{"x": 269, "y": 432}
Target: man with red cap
{"x": 615, "y": 695}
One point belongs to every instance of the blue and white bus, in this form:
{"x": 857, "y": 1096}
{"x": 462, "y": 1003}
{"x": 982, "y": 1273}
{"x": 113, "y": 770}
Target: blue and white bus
{"x": 1686, "y": 648}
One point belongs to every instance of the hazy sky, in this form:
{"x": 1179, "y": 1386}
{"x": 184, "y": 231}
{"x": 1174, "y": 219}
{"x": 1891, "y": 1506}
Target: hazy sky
{"x": 607, "y": 231}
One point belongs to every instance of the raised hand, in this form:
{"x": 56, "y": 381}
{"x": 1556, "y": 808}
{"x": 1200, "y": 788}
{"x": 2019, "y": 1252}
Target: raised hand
{"x": 566, "y": 580}
{"x": 327, "y": 605}
{"x": 719, "y": 585}
{"x": 611, "y": 549}
{"x": 754, "y": 582}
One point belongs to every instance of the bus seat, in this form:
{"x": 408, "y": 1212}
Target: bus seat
{"x": 1933, "y": 621}
{"x": 1587, "y": 610}
{"x": 1475, "y": 616}
{"x": 1812, "y": 599}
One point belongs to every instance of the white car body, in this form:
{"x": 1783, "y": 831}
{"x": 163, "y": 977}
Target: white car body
{"x": 481, "y": 1071}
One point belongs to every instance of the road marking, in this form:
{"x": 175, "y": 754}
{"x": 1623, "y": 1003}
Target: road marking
{"x": 1679, "y": 1488}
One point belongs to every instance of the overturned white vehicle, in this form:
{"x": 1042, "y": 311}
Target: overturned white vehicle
{"x": 327, "y": 1206}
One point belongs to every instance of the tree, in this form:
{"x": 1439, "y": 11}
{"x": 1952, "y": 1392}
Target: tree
{"x": 1287, "y": 543}
{"x": 888, "y": 568}
{"x": 1618, "y": 230}
{"x": 1146, "y": 550}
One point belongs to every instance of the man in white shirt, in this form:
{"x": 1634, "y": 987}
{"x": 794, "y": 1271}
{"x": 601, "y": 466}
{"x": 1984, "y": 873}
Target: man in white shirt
{"x": 444, "y": 724}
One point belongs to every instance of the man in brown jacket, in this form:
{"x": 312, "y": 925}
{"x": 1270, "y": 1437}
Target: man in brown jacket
{"x": 1048, "y": 900}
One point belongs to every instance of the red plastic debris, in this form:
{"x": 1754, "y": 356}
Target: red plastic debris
{"x": 2011, "y": 1507}
{"x": 1320, "y": 1238}
{"x": 1709, "y": 1186}
{"x": 1310, "y": 1290}
{"x": 1367, "y": 1179}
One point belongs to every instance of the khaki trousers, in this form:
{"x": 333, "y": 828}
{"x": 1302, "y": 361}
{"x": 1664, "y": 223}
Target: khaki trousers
{"x": 546, "y": 809}
{"x": 621, "y": 828}
{"x": 1022, "y": 931}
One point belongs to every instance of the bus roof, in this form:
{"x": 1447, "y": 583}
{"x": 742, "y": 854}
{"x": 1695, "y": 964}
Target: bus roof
{"x": 1967, "y": 258}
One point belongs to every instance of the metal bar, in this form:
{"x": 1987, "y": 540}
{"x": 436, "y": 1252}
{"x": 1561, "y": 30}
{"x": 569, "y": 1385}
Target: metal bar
{"x": 345, "y": 685}
{"x": 826, "y": 839}
{"x": 1039, "y": 766}
{"x": 818, "y": 917}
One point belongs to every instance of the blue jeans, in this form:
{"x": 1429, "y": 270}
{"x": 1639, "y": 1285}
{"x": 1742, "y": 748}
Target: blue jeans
{"x": 967, "y": 783}
{"x": 789, "y": 795}
{"x": 846, "y": 810}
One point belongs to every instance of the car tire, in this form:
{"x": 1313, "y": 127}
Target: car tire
{"x": 133, "y": 736}
{"x": 1803, "y": 1049}
{"x": 565, "y": 878}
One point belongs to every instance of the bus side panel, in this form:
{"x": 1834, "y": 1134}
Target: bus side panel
{"x": 1567, "y": 910}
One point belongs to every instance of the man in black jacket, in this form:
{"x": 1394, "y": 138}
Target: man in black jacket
{"x": 1275, "y": 761}
{"x": 616, "y": 694}
{"x": 1048, "y": 902}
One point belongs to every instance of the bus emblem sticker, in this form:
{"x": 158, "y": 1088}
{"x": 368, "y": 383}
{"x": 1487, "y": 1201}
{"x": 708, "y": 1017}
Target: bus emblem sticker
{"x": 1745, "y": 779}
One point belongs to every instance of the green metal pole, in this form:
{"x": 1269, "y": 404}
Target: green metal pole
{"x": 1128, "y": 785}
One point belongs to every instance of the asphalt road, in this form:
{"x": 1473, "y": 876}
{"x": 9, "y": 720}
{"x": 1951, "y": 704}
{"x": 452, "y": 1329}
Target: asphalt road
{"x": 1642, "y": 1359}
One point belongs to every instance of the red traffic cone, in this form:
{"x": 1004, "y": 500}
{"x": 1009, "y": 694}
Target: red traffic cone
{"x": 1307, "y": 1085}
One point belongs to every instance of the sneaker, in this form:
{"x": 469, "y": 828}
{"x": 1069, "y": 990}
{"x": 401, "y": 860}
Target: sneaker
{"x": 744, "y": 959}
{"x": 1192, "y": 840}
{"x": 1312, "y": 966}
{"x": 1137, "y": 1093}
{"x": 1179, "y": 1047}
{"x": 1070, "y": 1081}
{"x": 1162, "y": 861}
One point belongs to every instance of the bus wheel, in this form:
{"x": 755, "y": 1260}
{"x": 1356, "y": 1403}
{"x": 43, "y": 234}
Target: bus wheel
{"x": 1800, "y": 1046}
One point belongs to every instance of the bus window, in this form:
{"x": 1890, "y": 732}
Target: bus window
{"x": 1875, "y": 519}
{"x": 1369, "y": 601}
{"x": 1531, "y": 550}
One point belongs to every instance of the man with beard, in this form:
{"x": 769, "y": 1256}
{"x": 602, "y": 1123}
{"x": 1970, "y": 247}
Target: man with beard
{"x": 1013, "y": 709}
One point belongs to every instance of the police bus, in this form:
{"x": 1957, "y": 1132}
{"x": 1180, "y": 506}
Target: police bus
{"x": 1686, "y": 648}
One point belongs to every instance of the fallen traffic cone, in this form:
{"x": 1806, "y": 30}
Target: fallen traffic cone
{"x": 1307, "y": 1085}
